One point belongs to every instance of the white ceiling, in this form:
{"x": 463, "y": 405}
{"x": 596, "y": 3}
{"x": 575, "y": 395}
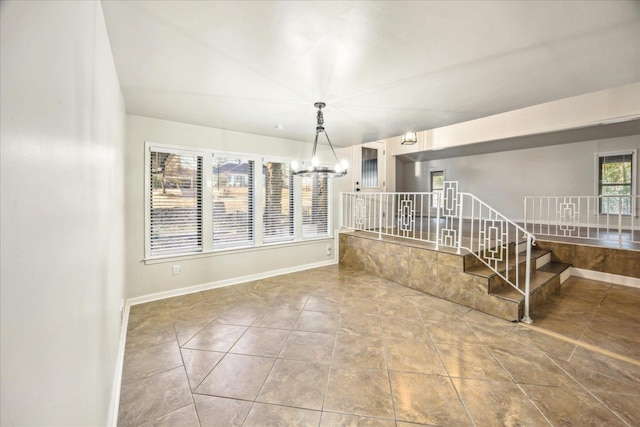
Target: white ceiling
{"x": 382, "y": 67}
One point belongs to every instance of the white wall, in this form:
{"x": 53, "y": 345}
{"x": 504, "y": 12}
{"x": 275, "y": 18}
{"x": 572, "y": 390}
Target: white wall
{"x": 62, "y": 276}
{"x": 590, "y": 109}
{"x": 502, "y": 179}
{"x": 145, "y": 279}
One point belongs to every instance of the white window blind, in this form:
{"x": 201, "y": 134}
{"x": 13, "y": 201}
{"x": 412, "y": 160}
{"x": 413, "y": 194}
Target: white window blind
{"x": 277, "y": 202}
{"x": 175, "y": 200}
{"x": 232, "y": 187}
{"x": 315, "y": 206}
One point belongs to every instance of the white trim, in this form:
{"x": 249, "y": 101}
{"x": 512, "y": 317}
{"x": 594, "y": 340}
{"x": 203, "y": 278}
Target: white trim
{"x": 605, "y": 277}
{"x": 602, "y": 226}
{"x": 227, "y": 282}
{"x": 230, "y": 251}
{"x": 114, "y": 406}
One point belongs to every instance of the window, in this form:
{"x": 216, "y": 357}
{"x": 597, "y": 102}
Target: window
{"x": 203, "y": 201}
{"x": 369, "y": 167}
{"x": 232, "y": 194}
{"x": 436, "y": 178}
{"x": 315, "y": 206}
{"x": 175, "y": 202}
{"x": 615, "y": 183}
{"x": 277, "y": 202}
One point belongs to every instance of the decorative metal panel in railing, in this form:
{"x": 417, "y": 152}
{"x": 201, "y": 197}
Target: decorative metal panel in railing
{"x": 603, "y": 218}
{"x": 447, "y": 218}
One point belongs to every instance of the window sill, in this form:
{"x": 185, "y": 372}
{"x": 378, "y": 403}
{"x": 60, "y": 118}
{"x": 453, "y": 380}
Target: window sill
{"x": 222, "y": 252}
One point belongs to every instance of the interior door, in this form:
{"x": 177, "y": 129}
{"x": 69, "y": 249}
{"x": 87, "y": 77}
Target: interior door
{"x": 369, "y": 177}
{"x": 370, "y": 161}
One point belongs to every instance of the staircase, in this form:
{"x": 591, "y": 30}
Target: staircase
{"x": 546, "y": 276}
{"x": 483, "y": 259}
{"x": 460, "y": 278}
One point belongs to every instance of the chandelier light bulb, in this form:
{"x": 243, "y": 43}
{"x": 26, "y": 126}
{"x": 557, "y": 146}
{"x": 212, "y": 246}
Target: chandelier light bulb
{"x": 294, "y": 165}
{"x": 315, "y": 162}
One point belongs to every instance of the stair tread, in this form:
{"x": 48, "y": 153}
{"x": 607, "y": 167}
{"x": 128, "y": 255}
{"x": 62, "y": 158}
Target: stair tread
{"x": 484, "y": 271}
{"x": 554, "y": 267}
{"x": 538, "y": 279}
{"x": 537, "y": 253}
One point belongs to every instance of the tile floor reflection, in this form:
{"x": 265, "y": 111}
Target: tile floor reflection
{"x": 338, "y": 347}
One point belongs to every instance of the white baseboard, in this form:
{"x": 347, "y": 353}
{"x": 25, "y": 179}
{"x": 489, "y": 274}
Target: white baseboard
{"x": 112, "y": 421}
{"x": 226, "y": 282}
{"x": 117, "y": 381}
{"x": 605, "y": 277}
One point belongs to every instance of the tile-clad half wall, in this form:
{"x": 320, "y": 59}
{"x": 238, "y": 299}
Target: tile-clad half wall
{"x": 622, "y": 262}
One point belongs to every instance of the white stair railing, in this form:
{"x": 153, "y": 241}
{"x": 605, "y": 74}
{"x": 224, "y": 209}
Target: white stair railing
{"x": 600, "y": 218}
{"x": 447, "y": 218}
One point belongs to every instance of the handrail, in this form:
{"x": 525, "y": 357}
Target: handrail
{"x": 598, "y": 218}
{"x": 446, "y": 218}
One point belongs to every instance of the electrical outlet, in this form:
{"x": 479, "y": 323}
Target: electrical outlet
{"x": 328, "y": 249}
{"x": 176, "y": 269}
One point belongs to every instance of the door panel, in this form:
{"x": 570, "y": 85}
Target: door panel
{"x": 369, "y": 167}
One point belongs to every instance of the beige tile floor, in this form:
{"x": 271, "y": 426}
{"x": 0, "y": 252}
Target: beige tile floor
{"x": 336, "y": 347}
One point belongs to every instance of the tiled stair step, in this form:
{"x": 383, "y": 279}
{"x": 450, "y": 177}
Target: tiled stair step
{"x": 494, "y": 281}
{"x": 554, "y": 267}
{"x": 537, "y": 281}
{"x": 474, "y": 266}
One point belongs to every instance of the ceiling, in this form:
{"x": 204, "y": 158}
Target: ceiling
{"x": 382, "y": 67}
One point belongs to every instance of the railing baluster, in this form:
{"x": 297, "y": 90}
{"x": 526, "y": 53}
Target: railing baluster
{"x": 527, "y": 284}
{"x": 380, "y": 217}
{"x": 620, "y": 222}
{"x": 461, "y": 196}
{"x": 438, "y": 211}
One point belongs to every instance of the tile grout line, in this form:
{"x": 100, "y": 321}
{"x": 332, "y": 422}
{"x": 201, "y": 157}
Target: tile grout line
{"x": 586, "y": 389}
{"x": 386, "y": 361}
{"x": 585, "y": 345}
{"x": 513, "y": 380}
{"x": 255, "y": 400}
{"x": 333, "y": 352}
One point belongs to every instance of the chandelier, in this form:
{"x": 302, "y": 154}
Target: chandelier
{"x": 313, "y": 168}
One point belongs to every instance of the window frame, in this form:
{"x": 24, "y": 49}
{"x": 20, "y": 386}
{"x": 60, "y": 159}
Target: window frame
{"x": 252, "y": 187}
{"x": 634, "y": 173}
{"x": 206, "y": 228}
{"x": 147, "y": 197}
{"x": 329, "y": 211}
{"x": 292, "y": 199}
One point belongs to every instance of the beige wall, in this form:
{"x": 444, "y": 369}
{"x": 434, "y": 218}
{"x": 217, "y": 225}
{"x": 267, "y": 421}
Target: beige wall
{"x": 154, "y": 280}
{"x": 62, "y": 276}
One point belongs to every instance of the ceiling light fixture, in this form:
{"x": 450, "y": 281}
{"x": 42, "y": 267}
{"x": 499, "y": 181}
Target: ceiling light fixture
{"x": 313, "y": 168}
{"x": 409, "y": 138}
